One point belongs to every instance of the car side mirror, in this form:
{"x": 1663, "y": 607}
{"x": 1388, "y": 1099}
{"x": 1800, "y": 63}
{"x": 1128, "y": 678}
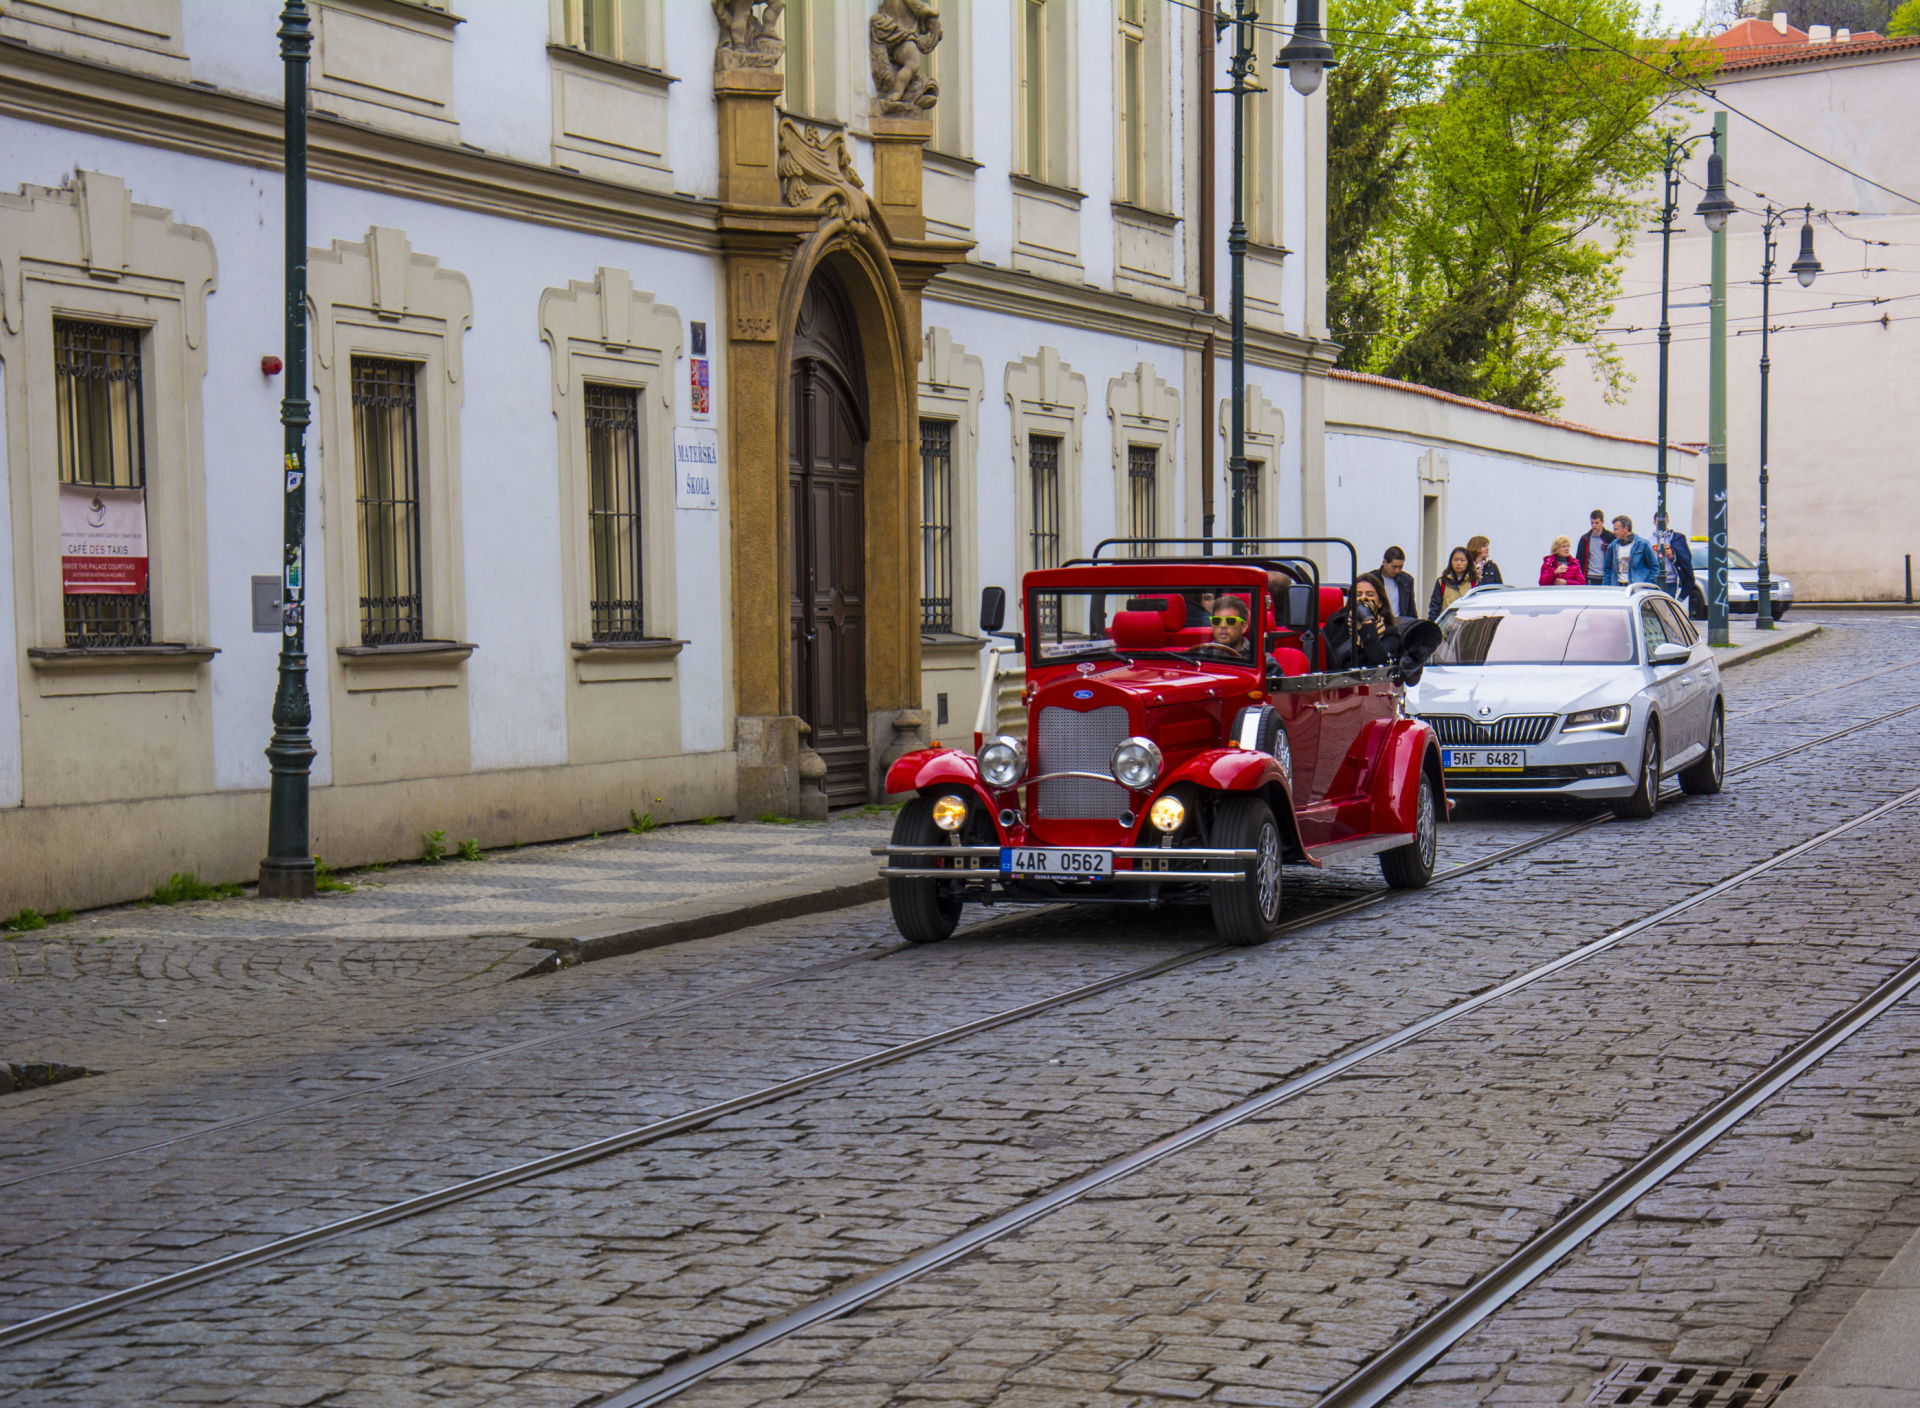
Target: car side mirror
{"x": 993, "y": 608}
{"x": 1671, "y": 653}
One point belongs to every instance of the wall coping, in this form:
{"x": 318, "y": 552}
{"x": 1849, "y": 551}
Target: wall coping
{"x": 1550, "y": 422}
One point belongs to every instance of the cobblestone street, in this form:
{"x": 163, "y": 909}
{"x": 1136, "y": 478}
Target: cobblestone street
{"x": 347, "y": 1048}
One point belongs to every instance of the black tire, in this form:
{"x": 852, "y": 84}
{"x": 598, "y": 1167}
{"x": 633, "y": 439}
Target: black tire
{"x": 1706, "y": 777}
{"x": 924, "y": 911}
{"x": 1410, "y": 867}
{"x": 1697, "y": 605}
{"x": 1269, "y": 735}
{"x": 1247, "y": 913}
{"x": 1646, "y": 797}
{"x": 1780, "y": 612}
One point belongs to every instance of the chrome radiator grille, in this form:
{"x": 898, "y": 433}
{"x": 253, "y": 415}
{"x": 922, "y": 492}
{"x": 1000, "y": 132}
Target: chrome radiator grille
{"x": 1068, "y": 741}
{"x": 1519, "y": 729}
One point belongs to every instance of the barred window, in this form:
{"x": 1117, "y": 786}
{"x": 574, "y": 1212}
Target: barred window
{"x": 613, "y": 512}
{"x": 936, "y": 525}
{"x": 1250, "y": 519}
{"x": 1043, "y": 468}
{"x": 102, "y": 442}
{"x": 387, "y": 477}
{"x": 1143, "y": 493}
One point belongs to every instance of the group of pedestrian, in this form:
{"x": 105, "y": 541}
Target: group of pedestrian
{"x": 1619, "y": 558}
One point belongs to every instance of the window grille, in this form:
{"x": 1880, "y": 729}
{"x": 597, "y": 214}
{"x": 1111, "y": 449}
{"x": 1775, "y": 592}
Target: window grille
{"x": 103, "y": 442}
{"x": 1250, "y": 519}
{"x": 1132, "y": 114}
{"x": 387, "y": 451}
{"x": 1043, "y": 466}
{"x": 936, "y": 525}
{"x": 1143, "y": 496}
{"x": 613, "y": 512}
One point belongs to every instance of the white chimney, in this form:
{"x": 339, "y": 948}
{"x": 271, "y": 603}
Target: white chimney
{"x": 1841, "y": 36}
{"x": 1818, "y": 34}
{"x": 1779, "y": 21}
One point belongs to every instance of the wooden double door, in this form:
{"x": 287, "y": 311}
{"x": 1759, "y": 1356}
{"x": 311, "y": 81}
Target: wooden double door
{"x": 826, "y": 463}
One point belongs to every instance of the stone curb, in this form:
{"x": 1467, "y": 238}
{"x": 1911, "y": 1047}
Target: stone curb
{"x": 1782, "y": 637}
{"x": 1872, "y": 1358}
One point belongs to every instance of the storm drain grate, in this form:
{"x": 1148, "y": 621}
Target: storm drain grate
{"x": 1690, "y": 1386}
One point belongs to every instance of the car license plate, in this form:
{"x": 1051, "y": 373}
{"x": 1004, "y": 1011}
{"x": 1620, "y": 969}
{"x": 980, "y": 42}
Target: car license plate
{"x": 1055, "y": 863}
{"x": 1483, "y": 759}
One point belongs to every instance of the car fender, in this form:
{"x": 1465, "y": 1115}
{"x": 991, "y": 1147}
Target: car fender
{"x": 930, "y": 767}
{"x": 1243, "y": 770}
{"x": 1409, "y": 749}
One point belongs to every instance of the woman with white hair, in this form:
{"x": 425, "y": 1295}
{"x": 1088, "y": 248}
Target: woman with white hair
{"x": 1560, "y": 568}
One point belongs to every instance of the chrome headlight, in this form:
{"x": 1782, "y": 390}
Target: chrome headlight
{"x": 1612, "y": 719}
{"x": 1136, "y": 763}
{"x": 1003, "y": 761}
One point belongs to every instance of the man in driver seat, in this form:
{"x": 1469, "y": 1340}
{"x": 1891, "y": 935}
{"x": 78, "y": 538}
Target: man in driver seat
{"x": 1229, "y": 621}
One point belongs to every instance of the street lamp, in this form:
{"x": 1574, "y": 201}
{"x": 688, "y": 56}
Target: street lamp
{"x": 1306, "y": 57}
{"x": 287, "y": 871}
{"x": 1713, "y": 210}
{"x": 1804, "y": 268}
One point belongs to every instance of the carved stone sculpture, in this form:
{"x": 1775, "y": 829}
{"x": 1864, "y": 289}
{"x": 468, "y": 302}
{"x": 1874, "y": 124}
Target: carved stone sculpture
{"x": 748, "y": 39}
{"x": 816, "y": 169}
{"x": 899, "y": 37}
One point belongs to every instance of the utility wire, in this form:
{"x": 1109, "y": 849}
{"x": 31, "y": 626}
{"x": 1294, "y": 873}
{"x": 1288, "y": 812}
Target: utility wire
{"x": 1706, "y": 92}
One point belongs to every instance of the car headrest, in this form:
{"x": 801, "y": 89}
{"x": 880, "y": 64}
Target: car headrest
{"x": 1171, "y": 609}
{"x": 1332, "y": 599}
{"x": 1139, "y": 630}
{"x": 1292, "y": 661}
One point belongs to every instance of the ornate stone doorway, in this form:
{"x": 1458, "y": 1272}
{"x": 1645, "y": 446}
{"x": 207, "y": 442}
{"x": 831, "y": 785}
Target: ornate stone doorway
{"x": 827, "y": 433}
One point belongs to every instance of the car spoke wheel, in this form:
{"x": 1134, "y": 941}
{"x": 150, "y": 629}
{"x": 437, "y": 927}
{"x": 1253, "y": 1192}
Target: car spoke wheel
{"x": 1247, "y": 912}
{"x": 925, "y": 911}
{"x": 1646, "y": 797}
{"x": 1707, "y": 776}
{"x": 1410, "y": 867}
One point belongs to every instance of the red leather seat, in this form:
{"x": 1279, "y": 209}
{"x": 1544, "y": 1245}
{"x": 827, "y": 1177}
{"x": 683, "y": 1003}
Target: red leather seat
{"x": 1171, "y": 608}
{"x": 1139, "y": 630}
{"x": 1332, "y": 601}
{"x": 1292, "y": 660}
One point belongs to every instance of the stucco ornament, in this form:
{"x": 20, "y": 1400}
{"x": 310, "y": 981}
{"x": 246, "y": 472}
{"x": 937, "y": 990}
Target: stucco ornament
{"x": 816, "y": 169}
{"x": 749, "y": 33}
{"x": 900, "y": 36}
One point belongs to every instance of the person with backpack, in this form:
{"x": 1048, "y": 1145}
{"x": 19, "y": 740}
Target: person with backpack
{"x": 1452, "y": 584}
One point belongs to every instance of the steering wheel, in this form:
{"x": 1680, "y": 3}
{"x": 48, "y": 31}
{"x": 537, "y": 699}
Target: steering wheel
{"x": 1212, "y": 650}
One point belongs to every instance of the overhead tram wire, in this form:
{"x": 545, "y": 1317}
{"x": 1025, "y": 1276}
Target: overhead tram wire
{"x": 112, "y": 1302}
{"x": 1518, "y": 46}
{"x": 1708, "y": 93}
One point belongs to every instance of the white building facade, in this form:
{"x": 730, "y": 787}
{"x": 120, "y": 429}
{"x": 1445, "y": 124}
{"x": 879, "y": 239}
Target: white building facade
{"x": 551, "y": 247}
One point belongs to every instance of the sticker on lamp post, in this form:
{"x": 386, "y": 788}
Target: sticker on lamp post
{"x": 696, "y": 467}
{"x": 103, "y": 540}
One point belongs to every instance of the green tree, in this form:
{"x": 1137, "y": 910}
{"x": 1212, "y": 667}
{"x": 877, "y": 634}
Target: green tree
{"x": 1499, "y": 243}
{"x": 1905, "y": 23}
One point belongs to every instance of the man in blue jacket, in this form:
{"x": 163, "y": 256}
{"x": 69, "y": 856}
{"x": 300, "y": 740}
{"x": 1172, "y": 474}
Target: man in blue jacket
{"x": 1675, "y": 554}
{"x": 1629, "y": 559}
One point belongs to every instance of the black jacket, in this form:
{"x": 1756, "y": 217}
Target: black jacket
{"x": 1379, "y": 639}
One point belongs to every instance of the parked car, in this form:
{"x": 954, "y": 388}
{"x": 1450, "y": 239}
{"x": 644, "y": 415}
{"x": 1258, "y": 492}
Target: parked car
{"x": 1743, "y": 585}
{"x": 1163, "y": 766}
{"x": 1574, "y": 692}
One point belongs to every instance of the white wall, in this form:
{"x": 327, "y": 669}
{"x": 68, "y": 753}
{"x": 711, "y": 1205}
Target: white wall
{"x": 10, "y": 794}
{"x": 1521, "y": 481}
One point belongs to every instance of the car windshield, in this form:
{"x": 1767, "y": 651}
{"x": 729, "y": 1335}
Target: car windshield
{"x": 1212, "y": 624}
{"x": 1535, "y": 635}
{"x": 1735, "y": 558}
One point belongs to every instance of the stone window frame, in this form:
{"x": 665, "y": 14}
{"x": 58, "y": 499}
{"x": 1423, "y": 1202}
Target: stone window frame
{"x": 610, "y": 113}
{"x": 1145, "y": 410}
{"x": 642, "y": 26}
{"x": 1266, "y": 124}
{"x": 144, "y": 36}
{"x": 1058, "y": 70}
{"x": 1046, "y": 396}
{"x": 1265, "y": 433}
{"x": 86, "y": 251}
{"x": 1154, "y": 122}
{"x": 952, "y": 63}
{"x": 378, "y": 298}
{"x": 607, "y": 332}
{"x": 953, "y": 383}
{"x": 835, "y": 31}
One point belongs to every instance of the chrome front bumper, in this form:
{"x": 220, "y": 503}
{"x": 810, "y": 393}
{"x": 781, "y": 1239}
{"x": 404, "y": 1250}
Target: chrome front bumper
{"x": 983, "y": 872}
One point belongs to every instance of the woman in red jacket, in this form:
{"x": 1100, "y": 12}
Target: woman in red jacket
{"x": 1560, "y": 568}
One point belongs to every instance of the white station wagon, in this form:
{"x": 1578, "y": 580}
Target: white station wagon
{"x": 1595, "y": 692}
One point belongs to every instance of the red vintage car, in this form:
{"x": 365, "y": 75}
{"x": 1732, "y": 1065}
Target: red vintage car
{"x": 1177, "y": 757}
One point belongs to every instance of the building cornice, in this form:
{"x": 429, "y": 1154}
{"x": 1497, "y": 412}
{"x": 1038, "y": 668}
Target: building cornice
{"x": 1010, "y": 291}
{"x": 37, "y": 86}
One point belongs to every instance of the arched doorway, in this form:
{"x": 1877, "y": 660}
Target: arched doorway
{"x": 826, "y": 462}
